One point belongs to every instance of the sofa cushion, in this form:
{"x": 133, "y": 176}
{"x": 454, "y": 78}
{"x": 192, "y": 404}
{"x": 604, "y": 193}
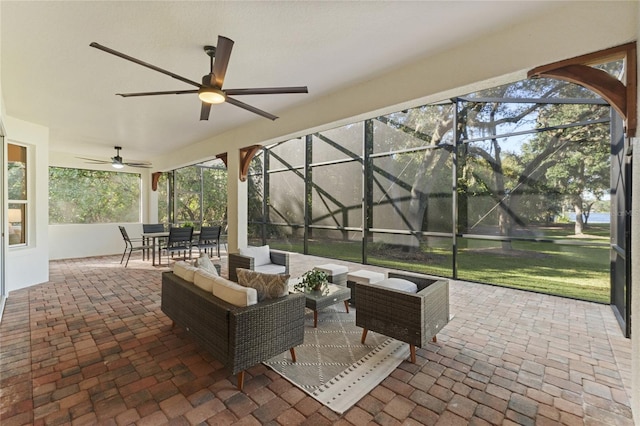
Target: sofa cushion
{"x": 204, "y": 279}
{"x": 268, "y": 286}
{"x": 204, "y": 262}
{"x": 261, "y": 255}
{"x": 184, "y": 270}
{"x": 399, "y": 284}
{"x": 234, "y": 293}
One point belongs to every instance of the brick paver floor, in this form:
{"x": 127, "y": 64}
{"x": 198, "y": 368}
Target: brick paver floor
{"x": 91, "y": 346}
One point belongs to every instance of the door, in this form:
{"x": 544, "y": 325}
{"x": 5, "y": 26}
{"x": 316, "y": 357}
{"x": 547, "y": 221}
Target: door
{"x": 620, "y": 225}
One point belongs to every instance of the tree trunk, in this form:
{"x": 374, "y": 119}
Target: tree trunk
{"x": 504, "y": 220}
{"x": 579, "y": 225}
{"x": 432, "y": 160}
{"x": 422, "y": 187}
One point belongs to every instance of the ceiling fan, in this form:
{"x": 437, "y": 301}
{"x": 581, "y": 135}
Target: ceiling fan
{"x": 117, "y": 163}
{"x": 210, "y": 91}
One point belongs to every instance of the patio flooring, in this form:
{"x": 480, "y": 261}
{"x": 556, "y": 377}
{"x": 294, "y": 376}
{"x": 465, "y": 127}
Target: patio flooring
{"x": 91, "y": 346}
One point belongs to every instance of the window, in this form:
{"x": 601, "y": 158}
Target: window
{"x": 199, "y": 195}
{"x": 510, "y": 186}
{"x": 93, "y": 196}
{"x": 17, "y": 183}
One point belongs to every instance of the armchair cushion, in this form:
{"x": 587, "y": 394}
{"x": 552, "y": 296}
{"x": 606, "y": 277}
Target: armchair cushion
{"x": 234, "y": 293}
{"x": 184, "y": 270}
{"x": 268, "y": 286}
{"x": 271, "y": 268}
{"x": 399, "y": 284}
{"x": 261, "y": 255}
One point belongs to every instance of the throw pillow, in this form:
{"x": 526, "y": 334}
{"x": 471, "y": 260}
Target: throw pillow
{"x": 261, "y": 255}
{"x": 399, "y": 284}
{"x": 204, "y": 279}
{"x": 268, "y": 286}
{"x": 184, "y": 270}
{"x": 234, "y": 293}
{"x": 203, "y": 262}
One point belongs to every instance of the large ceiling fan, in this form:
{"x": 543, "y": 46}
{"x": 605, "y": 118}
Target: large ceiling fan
{"x": 210, "y": 91}
{"x": 117, "y": 163}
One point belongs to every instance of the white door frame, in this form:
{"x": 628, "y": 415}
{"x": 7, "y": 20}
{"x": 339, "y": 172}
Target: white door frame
{"x": 3, "y": 223}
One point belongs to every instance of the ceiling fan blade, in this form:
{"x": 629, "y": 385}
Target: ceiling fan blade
{"x": 204, "y": 111}
{"x": 251, "y": 108}
{"x": 223, "y": 52}
{"x": 144, "y": 64}
{"x": 168, "y": 92}
{"x": 139, "y": 165}
{"x": 94, "y": 161}
{"x": 267, "y": 90}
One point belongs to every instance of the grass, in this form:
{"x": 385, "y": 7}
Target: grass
{"x": 563, "y": 268}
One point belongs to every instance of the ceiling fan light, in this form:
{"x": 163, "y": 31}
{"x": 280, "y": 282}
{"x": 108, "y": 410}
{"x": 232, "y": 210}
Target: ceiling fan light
{"x": 116, "y": 162}
{"x": 211, "y": 95}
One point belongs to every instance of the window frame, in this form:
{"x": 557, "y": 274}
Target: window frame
{"x": 138, "y": 187}
{"x": 24, "y": 203}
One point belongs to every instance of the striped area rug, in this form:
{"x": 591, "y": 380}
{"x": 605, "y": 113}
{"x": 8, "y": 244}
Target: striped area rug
{"x": 333, "y": 366}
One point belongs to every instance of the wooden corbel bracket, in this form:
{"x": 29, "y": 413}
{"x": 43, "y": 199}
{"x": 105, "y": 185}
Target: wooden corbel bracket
{"x": 155, "y": 177}
{"x": 622, "y": 97}
{"x": 246, "y": 155}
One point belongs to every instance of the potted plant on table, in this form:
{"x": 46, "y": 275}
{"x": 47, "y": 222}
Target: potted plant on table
{"x": 312, "y": 281}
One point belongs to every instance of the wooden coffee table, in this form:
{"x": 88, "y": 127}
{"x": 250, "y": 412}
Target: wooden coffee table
{"x": 330, "y": 295}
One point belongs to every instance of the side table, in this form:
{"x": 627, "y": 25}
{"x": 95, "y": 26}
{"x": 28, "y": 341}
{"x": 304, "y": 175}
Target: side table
{"x": 320, "y": 299}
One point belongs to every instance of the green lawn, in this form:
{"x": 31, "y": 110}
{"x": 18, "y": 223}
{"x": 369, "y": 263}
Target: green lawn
{"x": 562, "y": 268}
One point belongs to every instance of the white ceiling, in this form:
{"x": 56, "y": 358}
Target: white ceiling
{"x": 50, "y": 75}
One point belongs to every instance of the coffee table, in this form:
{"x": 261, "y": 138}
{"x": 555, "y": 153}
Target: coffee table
{"x": 320, "y": 299}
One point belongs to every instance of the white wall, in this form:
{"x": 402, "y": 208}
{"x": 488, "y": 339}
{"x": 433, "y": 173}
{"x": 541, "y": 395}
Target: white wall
{"x": 29, "y": 265}
{"x": 80, "y": 240}
{"x": 72, "y": 241}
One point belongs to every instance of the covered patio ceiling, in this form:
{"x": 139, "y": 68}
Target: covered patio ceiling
{"x": 50, "y": 75}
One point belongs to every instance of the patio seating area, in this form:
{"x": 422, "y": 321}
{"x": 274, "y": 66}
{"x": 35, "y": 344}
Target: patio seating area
{"x": 92, "y": 346}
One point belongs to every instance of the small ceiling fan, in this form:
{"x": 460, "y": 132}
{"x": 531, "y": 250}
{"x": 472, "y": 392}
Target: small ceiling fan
{"x": 210, "y": 91}
{"x": 117, "y": 163}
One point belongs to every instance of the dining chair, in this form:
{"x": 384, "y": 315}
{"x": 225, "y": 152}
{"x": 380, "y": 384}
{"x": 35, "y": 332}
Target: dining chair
{"x": 129, "y": 245}
{"x": 148, "y": 228}
{"x": 179, "y": 240}
{"x": 208, "y": 239}
{"x": 152, "y": 227}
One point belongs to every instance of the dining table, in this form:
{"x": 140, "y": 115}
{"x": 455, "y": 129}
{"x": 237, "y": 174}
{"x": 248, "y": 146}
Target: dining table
{"x": 155, "y": 237}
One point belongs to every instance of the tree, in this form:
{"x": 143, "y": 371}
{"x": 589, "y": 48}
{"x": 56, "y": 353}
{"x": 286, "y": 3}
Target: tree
{"x": 581, "y": 171}
{"x": 93, "y": 196}
{"x": 201, "y": 194}
{"x": 481, "y": 161}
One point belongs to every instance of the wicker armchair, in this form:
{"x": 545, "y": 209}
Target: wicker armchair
{"x": 278, "y": 258}
{"x": 413, "y": 318}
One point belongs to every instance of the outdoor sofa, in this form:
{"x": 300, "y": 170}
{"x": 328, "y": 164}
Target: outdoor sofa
{"x": 237, "y": 336}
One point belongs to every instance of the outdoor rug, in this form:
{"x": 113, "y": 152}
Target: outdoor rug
{"x": 333, "y": 366}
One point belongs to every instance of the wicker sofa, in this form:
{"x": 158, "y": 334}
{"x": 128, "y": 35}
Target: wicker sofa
{"x": 414, "y": 318}
{"x": 259, "y": 259}
{"x": 239, "y": 337}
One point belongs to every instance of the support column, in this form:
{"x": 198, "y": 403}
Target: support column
{"x": 150, "y": 210}
{"x": 237, "y": 215}
{"x": 367, "y": 188}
